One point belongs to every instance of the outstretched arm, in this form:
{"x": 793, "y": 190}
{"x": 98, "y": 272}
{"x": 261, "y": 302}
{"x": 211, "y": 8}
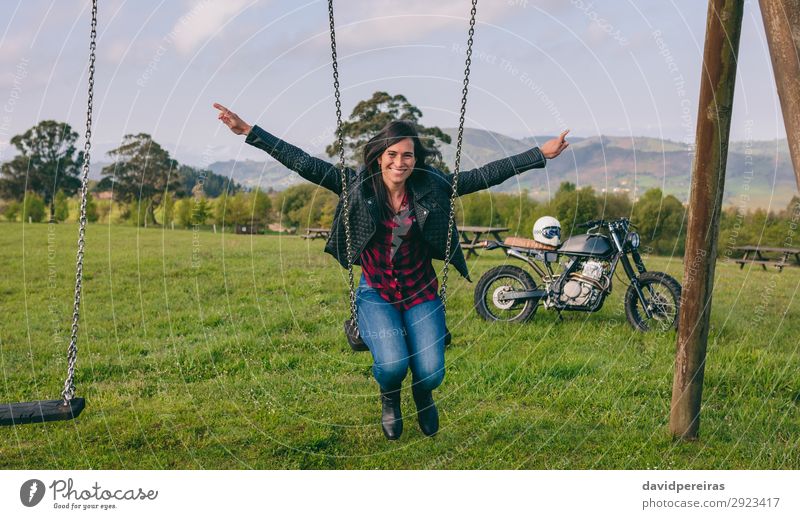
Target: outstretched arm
{"x": 501, "y": 170}
{"x": 310, "y": 168}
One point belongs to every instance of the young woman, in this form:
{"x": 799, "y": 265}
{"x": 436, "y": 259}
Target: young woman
{"x": 399, "y": 218}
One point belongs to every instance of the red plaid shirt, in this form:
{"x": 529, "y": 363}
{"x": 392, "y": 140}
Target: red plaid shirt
{"x": 397, "y": 262}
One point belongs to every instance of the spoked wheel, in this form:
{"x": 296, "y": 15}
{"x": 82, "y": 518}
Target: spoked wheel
{"x": 490, "y": 303}
{"x": 662, "y": 294}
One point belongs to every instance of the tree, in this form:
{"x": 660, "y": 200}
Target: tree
{"x": 327, "y": 211}
{"x": 516, "y": 211}
{"x": 233, "y": 209}
{"x": 183, "y": 212}
{"x": 61, "y": 205}
{"x": 213, "y": 185}
{"x": 574, "y": 206}
{"x": 33, "y": 207}
{"x": 660, "y": 221}
{"x": 102, "y": 208}
{"x": 137, "y": 211}
{"x": 168, "y": 204}
{"x": 480, "y": 209}
{"x": 91, "y": 209}
{"x": 142, "y": 170}
{"x": 46, "y": 162}
{"x": 371, "y": 115}
{"x": 307, "y": 205}
{"x": 294, "y": 198}
{"x": 615, "y": 205}
{"x": 12, "y": 210}
{"x": 201, "y": 211}
{"x": 262, "y": 207}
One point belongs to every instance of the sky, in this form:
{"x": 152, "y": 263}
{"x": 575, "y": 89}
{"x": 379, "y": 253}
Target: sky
{"x": 614, "y": 67}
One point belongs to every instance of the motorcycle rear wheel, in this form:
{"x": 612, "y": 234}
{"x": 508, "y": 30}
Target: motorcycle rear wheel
{"x": 488, "y": 295}
{"x": 662, "y": 294}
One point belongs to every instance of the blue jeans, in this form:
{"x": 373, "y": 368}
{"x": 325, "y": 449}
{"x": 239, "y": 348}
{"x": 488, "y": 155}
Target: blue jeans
{"x": 401, "y": 339}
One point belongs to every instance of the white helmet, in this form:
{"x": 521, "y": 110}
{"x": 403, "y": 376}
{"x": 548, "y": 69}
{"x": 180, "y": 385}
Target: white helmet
{"x": 547, "y": 230}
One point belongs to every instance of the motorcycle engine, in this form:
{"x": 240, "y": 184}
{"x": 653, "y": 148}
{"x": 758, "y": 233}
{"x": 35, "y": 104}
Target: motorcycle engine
{"x": 583, "y": 288}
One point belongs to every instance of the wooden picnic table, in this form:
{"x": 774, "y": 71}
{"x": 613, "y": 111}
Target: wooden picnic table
{"x": 754, "y": 254}
{"x": 313, "y": 233}
{"x": 471, "y": 236}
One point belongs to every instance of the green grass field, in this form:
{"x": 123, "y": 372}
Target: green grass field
{"x": 211, "y": 351}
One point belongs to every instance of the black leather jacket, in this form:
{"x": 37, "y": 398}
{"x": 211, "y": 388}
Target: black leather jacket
{"x": 431, "y": 190}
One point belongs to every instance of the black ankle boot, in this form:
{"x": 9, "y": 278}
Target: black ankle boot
{"x": 391, "y": 416}
{"x": 427, "y": 414}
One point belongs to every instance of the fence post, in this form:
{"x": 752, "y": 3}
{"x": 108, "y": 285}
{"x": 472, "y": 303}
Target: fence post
{"x": 717, "y": 81}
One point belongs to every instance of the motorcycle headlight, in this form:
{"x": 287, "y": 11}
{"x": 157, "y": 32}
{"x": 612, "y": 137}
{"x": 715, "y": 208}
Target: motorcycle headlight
{"x": 634, "y": 239}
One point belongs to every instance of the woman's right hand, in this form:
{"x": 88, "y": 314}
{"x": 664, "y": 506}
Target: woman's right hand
{"x": 233, "y": 121}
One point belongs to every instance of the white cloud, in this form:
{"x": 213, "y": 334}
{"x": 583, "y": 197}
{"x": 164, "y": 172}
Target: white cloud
{"x": 204, "y": 19}
{"x": 399, "y": 22}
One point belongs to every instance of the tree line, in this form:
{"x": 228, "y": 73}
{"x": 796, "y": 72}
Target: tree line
{"x": 38, "y": 182}
{"x": 660, "y": 219}
{"x": 151, "y": 188}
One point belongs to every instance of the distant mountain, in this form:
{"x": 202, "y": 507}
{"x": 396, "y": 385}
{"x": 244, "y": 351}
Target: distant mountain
{"x": 252, "y": 173}
{"x": 759, "y": 173}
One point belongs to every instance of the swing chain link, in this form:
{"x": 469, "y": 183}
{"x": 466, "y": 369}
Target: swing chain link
{"x": 451, "y": 221}
{"x": 343, "y": 172}
{"x": 342, "y": 169}
{"x": 72, "y": 355}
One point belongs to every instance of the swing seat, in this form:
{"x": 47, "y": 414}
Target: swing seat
{"x": 357, "y": 343}
{"x": 40, "y": 411}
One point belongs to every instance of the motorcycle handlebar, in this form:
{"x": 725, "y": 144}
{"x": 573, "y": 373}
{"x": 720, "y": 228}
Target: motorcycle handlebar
{"x": 598, "y": 223}
{"x": 590, "y": 224}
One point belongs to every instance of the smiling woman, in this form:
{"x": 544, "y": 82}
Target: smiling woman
{"x": 399, "y": 221}
{"x": 395, "y": 215}
{"x": 390, "y": 157}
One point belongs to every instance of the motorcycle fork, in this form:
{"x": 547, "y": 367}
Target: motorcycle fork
{"x": 637, "y": 260}
{"x": 626, "y": 264}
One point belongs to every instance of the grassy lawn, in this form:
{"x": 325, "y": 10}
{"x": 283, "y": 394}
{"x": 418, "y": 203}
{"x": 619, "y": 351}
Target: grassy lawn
{"x": 211, "y": 351}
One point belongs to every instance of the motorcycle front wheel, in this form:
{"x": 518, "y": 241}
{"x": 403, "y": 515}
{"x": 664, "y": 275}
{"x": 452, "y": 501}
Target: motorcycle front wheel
{"x": 662, "y": 294}
{"x": 489, "y": 302}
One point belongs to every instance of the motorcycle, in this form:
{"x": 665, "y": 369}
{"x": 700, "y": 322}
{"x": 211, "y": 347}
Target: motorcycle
{"x": 576, "y": 276}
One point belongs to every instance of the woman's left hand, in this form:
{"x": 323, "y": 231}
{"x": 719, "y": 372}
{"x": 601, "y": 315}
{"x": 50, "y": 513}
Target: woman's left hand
{"x": 553, "y": 148}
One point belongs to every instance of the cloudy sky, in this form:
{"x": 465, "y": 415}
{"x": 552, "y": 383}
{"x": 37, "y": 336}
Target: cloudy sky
{"x": 615, "y": 67}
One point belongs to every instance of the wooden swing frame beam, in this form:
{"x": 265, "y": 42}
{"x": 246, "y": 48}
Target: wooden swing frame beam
{"x": 717, "y": 83}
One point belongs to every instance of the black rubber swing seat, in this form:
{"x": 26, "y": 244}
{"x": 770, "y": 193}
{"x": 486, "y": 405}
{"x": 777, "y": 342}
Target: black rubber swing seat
{"x": 40, "y": 411}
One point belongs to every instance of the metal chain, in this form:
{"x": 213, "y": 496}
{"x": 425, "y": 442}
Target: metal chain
{"x": 342, "y": 170}
{"x": 72, "y": 354}
{"x": 452, "y": 218}
{"x": 453, "y": 196}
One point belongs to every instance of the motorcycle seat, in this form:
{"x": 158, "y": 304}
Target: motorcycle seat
{"x": 527, "y": 243}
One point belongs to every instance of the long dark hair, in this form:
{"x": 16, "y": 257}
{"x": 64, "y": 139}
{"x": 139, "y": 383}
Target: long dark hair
{"x": 390, "y": 135}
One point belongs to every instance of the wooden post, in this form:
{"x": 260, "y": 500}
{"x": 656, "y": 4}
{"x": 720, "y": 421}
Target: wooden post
{"x": 782, "y": 25}
{"x": 717, "y": 80}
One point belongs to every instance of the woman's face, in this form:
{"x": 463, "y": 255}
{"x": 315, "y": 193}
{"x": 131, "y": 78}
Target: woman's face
{"x": 397, "y": 163}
